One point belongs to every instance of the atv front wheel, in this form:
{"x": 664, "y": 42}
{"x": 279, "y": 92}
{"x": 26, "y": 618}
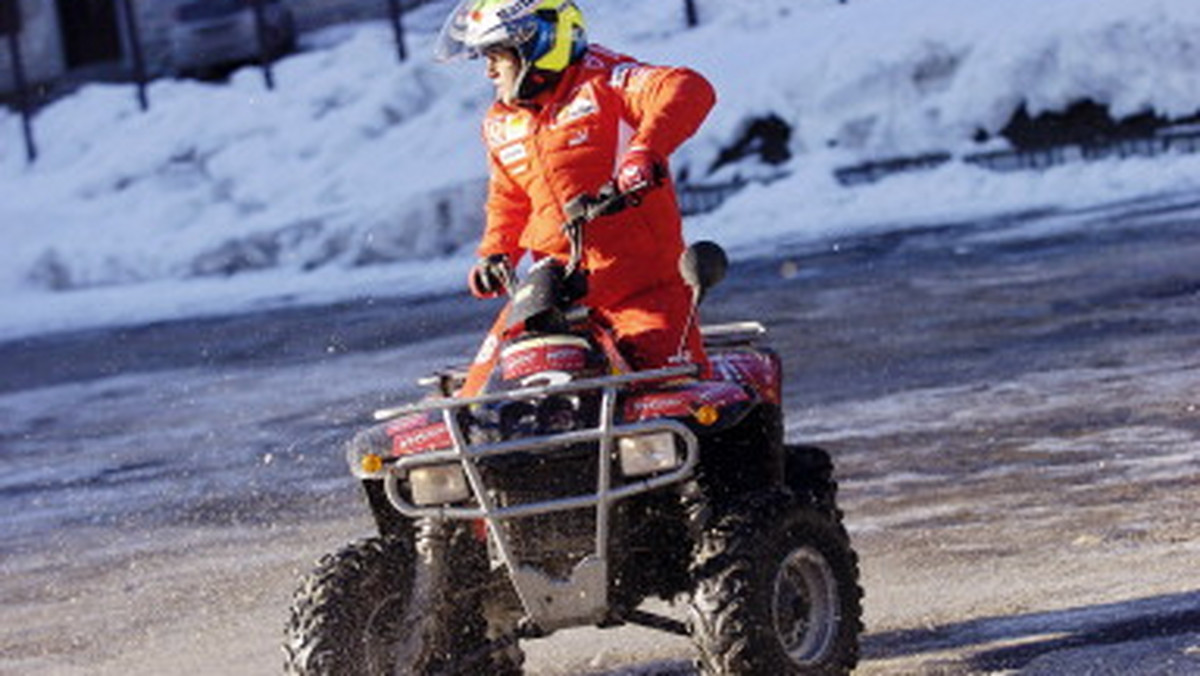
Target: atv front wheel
{"x": 776, "y": 591}
{"x": 376, "y": 608}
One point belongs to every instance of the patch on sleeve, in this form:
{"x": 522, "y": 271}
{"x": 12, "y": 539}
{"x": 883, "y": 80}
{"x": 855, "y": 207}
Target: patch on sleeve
{"x": 631, "y": 77}
{"x": 583, "y": 105}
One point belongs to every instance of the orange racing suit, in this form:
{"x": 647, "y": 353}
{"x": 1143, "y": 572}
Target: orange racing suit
{"x": 567, "y": 142}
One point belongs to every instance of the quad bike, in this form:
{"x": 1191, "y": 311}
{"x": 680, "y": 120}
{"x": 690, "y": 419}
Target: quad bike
{"x": 574, "y": 489}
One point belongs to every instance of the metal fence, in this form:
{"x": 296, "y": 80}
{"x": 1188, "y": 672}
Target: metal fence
{"x": 1170, "y": 139}
{"x": 701, "y": 199}
{"x": 697, "y": 199}
{"x": 11, "y": 28}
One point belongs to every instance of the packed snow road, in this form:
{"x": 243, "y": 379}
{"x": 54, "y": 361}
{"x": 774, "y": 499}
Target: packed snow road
{"x": 1013, "y": 405}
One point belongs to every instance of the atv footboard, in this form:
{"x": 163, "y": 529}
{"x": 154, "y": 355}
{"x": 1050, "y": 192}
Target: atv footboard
{"x": 552, "y": 599}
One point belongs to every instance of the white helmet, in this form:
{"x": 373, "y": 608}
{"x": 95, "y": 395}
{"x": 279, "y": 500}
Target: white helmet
{"x": 548, "y": 35}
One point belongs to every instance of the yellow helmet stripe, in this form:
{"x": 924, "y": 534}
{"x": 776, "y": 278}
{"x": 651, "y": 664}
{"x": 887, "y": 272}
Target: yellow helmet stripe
{"x": 569, "y": 18}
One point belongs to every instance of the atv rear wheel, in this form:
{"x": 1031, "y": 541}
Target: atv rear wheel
{"x": 376, "y": 607}
{"x": 776, "y": 590}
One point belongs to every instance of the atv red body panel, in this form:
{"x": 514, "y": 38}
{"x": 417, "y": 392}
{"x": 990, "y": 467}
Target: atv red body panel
{"x": 417, "y": 433}
{"x": 741, "y": 377}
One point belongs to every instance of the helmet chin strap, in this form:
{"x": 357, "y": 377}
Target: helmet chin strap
{"x": 532, "y": 81}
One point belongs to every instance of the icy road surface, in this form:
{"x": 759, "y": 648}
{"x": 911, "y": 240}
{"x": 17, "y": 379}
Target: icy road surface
{"x": 1013, "y": 406}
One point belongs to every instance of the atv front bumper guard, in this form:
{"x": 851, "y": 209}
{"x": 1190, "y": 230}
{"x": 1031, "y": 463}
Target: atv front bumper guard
{"x": 549, "y": 603}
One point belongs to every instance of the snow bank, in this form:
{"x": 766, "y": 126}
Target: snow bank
{"x": 356, "y": 160}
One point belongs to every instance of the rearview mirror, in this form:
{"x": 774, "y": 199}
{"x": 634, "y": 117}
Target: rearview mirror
{"x": 702, "y": 266}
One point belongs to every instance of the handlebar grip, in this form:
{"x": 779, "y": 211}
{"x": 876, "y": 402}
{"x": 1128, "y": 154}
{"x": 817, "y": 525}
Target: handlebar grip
{"x": 586, "y": 208}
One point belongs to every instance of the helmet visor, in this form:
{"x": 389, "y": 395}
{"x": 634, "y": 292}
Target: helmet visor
{"x": 476, "y": 26}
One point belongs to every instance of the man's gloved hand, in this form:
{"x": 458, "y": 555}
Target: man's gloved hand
{"x": 640, "y": 170}
{"x": 491, "y": 276}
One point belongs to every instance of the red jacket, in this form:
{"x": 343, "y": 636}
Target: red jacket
{"x": 567, "y": 142}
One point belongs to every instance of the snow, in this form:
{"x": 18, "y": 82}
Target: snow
{"x": 359, "y": 175}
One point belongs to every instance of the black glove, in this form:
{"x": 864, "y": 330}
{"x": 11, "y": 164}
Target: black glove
{"x": 491, "y": 276}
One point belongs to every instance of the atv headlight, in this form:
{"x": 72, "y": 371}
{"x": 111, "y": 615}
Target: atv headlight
{"x": 647, "y": 453}
{"x": 438, "y": 484}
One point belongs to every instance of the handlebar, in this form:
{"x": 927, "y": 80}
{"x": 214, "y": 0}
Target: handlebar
{"x": 580, "y": 211}
{"x": 586, "y": 208}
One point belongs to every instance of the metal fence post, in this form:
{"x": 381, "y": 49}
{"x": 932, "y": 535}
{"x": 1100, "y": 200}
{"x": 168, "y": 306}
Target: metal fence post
{"x": 264, "y": 58}
{"x": 134, "y": 39}
{"x": 689, "y": 8}
{"x": 396, "y": 12}
{"x": 10, "y": 27}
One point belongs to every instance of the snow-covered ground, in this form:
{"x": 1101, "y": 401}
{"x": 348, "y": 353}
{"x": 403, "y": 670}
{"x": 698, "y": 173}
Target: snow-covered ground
{"x": 360, "y": 175}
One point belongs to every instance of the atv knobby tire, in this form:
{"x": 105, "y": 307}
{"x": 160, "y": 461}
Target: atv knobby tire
{"x": 376, "y": 608}
{"x": 776, "y": 590}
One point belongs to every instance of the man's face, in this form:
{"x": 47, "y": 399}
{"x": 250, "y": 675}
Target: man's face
{"x": 503, "y": 69}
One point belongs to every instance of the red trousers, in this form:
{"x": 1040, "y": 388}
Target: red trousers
{"x": 653, "y": 328}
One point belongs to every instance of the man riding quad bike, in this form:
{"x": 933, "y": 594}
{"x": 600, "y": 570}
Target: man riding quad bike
{"x": 602, "y": 449}
{"x": 574, "y": 489}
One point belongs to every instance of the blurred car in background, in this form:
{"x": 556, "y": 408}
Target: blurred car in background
{"x": 208, "y": 35}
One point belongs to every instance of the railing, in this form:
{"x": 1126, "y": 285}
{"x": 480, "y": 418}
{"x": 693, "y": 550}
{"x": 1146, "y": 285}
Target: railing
{"x": 701, "y": 199}
{"x": 12, "y": 27}
{"x": 695, "y": 199}
{"x": 1182, "y": 139}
